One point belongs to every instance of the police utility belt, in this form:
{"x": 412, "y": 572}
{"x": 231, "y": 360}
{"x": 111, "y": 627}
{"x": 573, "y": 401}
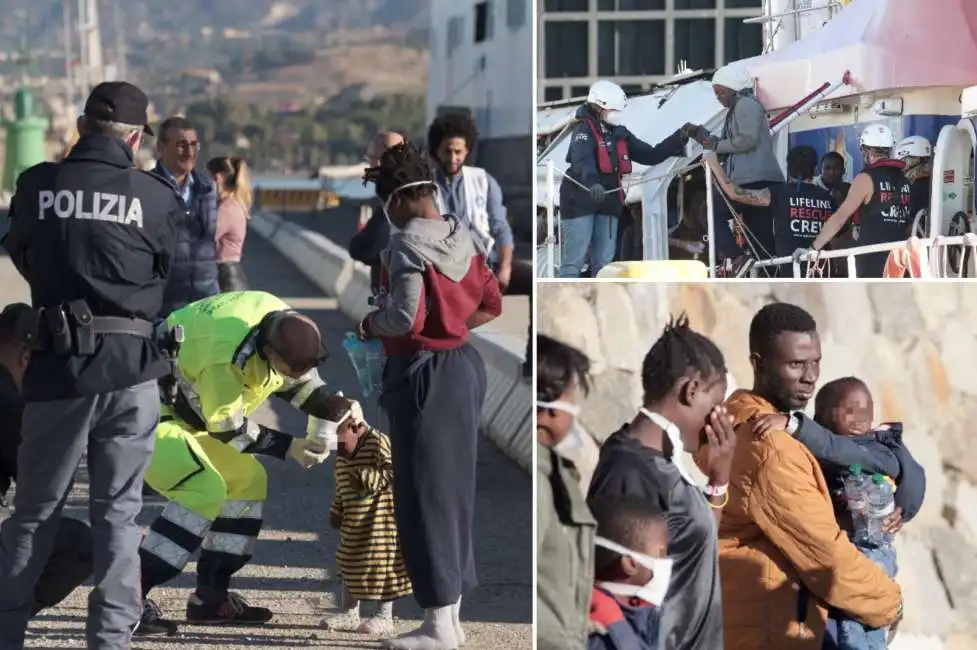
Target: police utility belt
{"x": 71, "y": 328}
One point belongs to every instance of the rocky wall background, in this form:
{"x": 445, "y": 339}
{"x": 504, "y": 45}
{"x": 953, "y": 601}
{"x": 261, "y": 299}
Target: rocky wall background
{"x": 914, "y": 344}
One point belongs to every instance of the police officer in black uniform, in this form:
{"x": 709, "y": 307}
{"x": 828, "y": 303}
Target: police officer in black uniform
{"x": 93, "y": 237}
{"x": 798, "y": 209}
{"x": 878, "y": 203}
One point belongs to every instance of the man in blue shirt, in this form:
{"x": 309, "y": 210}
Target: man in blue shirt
{"x": 470, "y": 193}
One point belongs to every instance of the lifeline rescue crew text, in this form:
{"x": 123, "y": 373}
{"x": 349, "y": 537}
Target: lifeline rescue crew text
{"x": 808, "y": 215}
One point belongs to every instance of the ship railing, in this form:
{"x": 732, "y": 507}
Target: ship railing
{"x": 918, "y": 258}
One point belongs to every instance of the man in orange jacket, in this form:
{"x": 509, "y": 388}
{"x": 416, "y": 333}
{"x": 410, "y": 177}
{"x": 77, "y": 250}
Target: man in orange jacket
{"x": 783, "y": 559}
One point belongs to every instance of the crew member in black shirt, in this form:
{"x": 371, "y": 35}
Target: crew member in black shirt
{"x": 93, "y": 237}
{"x": 684, "y": 382}
{"x": 798, "y": 209}
{"x": 70, "y": 562}
{"x": 916, "y": 153}
{"x": 878, "y": 203}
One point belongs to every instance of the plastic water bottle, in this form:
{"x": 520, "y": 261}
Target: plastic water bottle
{"x": 368, "y": 359}
{"x": 376, "y": 359}
{"x": 880, "y": 504}
{"x": 856, "y": 493}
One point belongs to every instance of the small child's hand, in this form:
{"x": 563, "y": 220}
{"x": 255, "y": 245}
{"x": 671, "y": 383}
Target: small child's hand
{"x": 761, "y": 425}
{"x": 893, "y": 523}
{"x": 335, "y": 520}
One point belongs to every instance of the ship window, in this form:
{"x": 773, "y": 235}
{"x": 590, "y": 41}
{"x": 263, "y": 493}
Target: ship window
{"x": 743, "y": 40}
{"x": 566, "y": 5}
{"x": 515, "y": 15}
{"x": 579, "y": 91}
{"x": 743, "y": 4}
{"x": 482, "y": 22}
{"x": 630, "y": 5}
{"x": 695, "y": 42}
{"x": 630, "y": 47}
{"x": 566, "y": 49}
{"x": 455, "y": 26}
{"x": 552, "y": 93}
{"x": 696, "y": 4}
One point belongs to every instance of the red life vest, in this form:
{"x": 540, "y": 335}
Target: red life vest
{"x": 604, "y": 163}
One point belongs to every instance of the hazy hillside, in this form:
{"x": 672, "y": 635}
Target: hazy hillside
{"x": 263, "y": 51}
{"x": 41, "y": 20}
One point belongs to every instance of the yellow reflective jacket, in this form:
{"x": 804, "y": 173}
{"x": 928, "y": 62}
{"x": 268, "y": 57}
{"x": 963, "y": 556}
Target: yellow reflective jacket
{"x": 219, "y": 365}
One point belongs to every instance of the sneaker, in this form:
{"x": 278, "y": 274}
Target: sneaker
{"x": 227, "y": 608}
{"x": 152, "y": 622}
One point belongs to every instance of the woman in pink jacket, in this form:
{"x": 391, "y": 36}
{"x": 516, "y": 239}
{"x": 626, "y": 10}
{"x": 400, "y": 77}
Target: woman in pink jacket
{"x": 234, "y": 195}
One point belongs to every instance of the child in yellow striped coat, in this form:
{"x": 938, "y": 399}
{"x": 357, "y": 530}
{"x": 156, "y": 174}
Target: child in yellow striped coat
{"x": 369, "y": 558}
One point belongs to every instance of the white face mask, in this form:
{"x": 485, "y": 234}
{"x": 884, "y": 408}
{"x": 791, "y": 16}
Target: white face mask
{"x": 575, "y": 438}
{"x": 612, "y": 117}
{"x": 653, "y": 592}
{"x": 386, "y": 204}
{"x": 674, "y": 437}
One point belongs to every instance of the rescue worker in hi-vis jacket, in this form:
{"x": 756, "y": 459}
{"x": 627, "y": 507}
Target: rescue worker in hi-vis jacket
{"x": 591, "y": 194}
{"x": 239, "y": 349}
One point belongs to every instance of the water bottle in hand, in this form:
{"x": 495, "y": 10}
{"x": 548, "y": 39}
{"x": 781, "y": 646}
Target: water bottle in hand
{"x": 375, "y": 361}
{"x": 856, "y": 493}
{"x": 880, "y": 504}
{"x": 356, "y": 352}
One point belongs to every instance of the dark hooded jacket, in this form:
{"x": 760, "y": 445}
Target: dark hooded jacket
{"x": 193, "y": 273}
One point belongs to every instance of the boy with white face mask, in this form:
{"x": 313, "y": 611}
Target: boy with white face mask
{"x": 632, "y": 574}
{"x": 565, "y": 539}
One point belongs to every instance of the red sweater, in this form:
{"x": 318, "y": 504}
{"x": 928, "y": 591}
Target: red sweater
{"x": 445, "y": 307}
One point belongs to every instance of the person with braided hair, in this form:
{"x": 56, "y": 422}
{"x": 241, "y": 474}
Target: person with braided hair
{"x": 684, "y": 379}
{"x": 436, "y": 286}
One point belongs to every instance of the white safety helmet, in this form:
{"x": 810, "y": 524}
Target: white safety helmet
{"x": 607, "y": 95}
{"x": 877, "y": 136}
{"x": 733, "y": 76}
{"x": 915, "y": 146}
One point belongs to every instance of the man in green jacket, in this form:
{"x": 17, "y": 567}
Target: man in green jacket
{"x": 566, "y": 527}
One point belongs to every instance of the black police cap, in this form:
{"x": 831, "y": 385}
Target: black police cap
{"x": 119, "y": 101}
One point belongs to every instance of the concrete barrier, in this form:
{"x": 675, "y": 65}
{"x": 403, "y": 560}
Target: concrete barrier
{"x": 507, "y": 413}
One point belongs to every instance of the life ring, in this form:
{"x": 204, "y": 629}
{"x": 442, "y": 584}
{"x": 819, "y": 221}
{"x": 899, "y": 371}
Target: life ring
{"x": 902, "y": 261}
{"x": 958, "y": 260}
{"x": 921, "y": 225}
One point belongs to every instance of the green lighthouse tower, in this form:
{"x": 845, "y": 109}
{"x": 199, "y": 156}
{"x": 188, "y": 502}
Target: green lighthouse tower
{"x": 25, "y": 146}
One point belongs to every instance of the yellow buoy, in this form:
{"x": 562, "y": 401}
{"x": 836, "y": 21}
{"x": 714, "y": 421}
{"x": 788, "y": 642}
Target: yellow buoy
{"x": 658, "y": 270}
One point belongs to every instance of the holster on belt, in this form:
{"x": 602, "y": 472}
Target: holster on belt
{"x": 56, "y": 322}
{"x": 170, "y": 339}
{"x": 82, "y": 318}
{"x": 71, "y": 329}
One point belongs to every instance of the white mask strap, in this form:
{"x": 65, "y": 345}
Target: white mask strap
{"x": 674, "y": 437}
{"x": 644, "y": 560}
{"x": 386, "y": 204}
{"x": 656, "y": 590}
{"x": 566, "y": 407}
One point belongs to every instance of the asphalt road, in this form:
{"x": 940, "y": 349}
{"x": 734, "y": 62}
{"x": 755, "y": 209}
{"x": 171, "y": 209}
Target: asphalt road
{"x": 292, "y": 570}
